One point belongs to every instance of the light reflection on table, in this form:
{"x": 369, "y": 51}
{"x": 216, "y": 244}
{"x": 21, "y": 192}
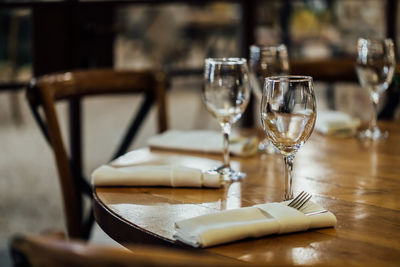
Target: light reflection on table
{"x": 359, "y": 182}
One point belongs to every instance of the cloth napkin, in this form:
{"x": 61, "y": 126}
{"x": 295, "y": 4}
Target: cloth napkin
{"x": 256, "y": 221}
{"x": 336, "y": 123}
{"x": 203, "y": 141}
{"x": 155, "y": 175}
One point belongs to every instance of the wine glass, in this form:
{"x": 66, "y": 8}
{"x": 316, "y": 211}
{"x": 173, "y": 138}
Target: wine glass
{"x": 226, "y": 94}
{"x": 375, "y": 67}
{"x": 266, "y": 61}
{"x": 288, "y": 114}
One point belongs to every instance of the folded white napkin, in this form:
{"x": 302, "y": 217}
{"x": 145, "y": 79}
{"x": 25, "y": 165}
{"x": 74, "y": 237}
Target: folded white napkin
{"x": 155, "y": 175}
{"x": 256, "y": 221}
{"x": 336, "y": 123}
{"x": 203, "y": 141}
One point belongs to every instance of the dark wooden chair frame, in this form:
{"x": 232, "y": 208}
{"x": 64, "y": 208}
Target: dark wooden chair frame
{"x": 54, "y": 250}
{"x": 72, "y": 86}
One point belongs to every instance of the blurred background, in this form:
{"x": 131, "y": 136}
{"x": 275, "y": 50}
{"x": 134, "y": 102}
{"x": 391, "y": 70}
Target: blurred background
{"x": 40, "y": 37}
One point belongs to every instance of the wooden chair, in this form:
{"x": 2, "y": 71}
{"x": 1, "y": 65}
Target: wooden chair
{"x": 54, "y": 250}
{"x": 343, "y": 70}
{"x": 44, "y": 92}
{"x": 327, "y": 70}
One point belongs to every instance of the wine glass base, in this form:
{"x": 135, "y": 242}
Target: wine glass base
{"x": 229, "y": 174}
{"x": 373, "y": 134}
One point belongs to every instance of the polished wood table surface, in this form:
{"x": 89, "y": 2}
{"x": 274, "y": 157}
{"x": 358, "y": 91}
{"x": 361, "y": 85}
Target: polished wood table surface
{"x": 358, "y": 181}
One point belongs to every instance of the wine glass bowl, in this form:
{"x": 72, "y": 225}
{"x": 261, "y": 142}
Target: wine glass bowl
{"x": 288, "y": 115}
{"x": 266, "y": 61}
{"x": 226, "y": 94}
{"x": 375, "y": 66}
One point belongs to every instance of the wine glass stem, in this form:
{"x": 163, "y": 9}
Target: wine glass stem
{"x": 375, "y": 101}
{"x": 226, "y": 131}
{"x": 288, "y": 176}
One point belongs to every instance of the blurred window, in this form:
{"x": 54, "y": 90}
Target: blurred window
{"x": 15, "y": 45}
{"x": 176, "y": 35}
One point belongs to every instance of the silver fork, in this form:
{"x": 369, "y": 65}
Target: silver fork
{"x": 300, "y": 200}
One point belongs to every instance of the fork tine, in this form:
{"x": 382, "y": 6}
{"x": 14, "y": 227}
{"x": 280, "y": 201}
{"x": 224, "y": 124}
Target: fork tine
{"x": 294, "y": 201}
{"x": 300, "y": 201}
{"x": 305, "y": 201}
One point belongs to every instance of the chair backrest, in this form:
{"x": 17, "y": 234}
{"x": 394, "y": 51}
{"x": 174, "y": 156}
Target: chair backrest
{"x": 343, "y": 70}
{"x": 45, "y": 91}
{"x": 328, "y": 70}
{"x": 47, "y": 251}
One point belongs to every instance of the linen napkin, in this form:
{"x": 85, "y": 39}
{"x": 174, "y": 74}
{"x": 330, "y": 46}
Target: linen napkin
{"x": 256, "y": 221}
{"x": 336, "y": 123}
{"x": 155, "y": 175}
{"x": 203, "y": 141}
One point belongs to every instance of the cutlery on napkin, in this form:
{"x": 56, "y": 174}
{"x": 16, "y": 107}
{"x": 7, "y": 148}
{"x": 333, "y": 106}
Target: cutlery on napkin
{"x": 256, "y": 221}
{"x": 203, "y": 141}
{"x": 336, "y": 123}
{"x": 155, "y": 175}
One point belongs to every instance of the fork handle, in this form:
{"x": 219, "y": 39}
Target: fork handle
{"x": 315, "y": 212}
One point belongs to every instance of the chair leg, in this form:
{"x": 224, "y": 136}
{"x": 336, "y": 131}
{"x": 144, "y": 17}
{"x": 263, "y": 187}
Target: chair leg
{"x": 16, "y": 248}
{"x": 88, "y": 225}
{"x": 16, "y": 114}
{"x": 75, "y": 122}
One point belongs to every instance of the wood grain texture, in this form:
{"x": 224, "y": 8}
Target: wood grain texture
{"x": 358, "y": 181}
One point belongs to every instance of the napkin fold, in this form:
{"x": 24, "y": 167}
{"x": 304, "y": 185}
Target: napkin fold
{"x": 203, "y": 141}
{"x": 256, "y": 221}
{"x": 336, "y": 123}
{"x": 155, "y": 175}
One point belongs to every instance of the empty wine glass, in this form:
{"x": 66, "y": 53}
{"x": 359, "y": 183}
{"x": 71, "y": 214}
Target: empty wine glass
{"x": 266, "y": 61}
{"x": 375, "y": 67}
{"x": 288, "y": 113}
{"x": 226, "y": 95}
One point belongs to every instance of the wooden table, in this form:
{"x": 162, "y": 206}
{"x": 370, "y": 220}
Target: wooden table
{"x": 358, "y": 181}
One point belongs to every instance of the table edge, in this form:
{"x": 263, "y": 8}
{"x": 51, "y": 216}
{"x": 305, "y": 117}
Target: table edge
{"x": 127, "y": 231}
